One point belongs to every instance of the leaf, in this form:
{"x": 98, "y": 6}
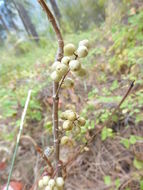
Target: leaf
{"x": 138, "y": 164}
{"x": 107, "y": 180}
{"x": 141, "y": 185}
{"x": 117, "y": 183}
{"x": 125, "y": 142}
{"x": 132, "y": 139}
{"x": 104, "y": 134}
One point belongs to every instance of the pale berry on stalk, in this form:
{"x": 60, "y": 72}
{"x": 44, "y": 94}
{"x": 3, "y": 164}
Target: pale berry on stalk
{"x": 82, "y": 51}
{"x": 81, "y": 121}
{"x": 68, "y": 83}
{"x": 64, "y": 140}
{"x": 85, "y": 43}
{"x": 74, "y": 65}
{"x": 81, "y": 73}
{"x": 56, "y": 188}
{"x": 46, "y": 180}
{"x": 60, "y": 181}
{"x": 62, "y": 69}
{"x": 51, "y": 183}
{"x": 65, "y": 60}
{"x": 67, "y": 125}
{"x": 48, "y": 188}
{"x": 55, "y": 65}
{"x": 70, "y": 115}
{"x": 56, "y": 76}
{"x": 69, "y": 49}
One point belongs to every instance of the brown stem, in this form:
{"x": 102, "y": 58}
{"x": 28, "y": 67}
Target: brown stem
{"x": 55, "y": 84}
{"x": 59, "y": 87}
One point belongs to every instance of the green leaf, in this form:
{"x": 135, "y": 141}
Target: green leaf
{"x": 107, "y": 180}
{"x": 117, "y": 183}
{"x": 104, "y": 134}
{"x": 141, "y": 185}
{"x": 138, "y": 164}
{"x": 132, "y": 139}
{"x": 125, "y": 142}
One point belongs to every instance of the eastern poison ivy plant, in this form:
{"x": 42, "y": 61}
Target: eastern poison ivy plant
{"x": 68, "y": 60}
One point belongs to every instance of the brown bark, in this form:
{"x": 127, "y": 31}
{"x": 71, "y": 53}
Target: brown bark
{"x": 55, "y": 86}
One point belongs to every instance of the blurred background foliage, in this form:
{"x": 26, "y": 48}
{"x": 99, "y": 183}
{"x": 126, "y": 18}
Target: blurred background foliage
{"x": 28, "y": 46}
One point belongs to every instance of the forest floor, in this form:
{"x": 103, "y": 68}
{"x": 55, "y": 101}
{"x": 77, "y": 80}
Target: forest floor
{"x": 114, "y": 160}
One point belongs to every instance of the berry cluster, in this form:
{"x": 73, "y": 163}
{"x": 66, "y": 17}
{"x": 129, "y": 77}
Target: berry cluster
{"x": 70, "y": 62}
{"x": 72, "y": 121}
{"x": 47, "y": 183}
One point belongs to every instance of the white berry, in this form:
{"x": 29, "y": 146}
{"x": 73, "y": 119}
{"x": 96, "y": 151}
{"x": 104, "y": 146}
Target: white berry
{"x": 67, "y": 125}
{"x": 48, "y": 188}
{"x": 81, "y": 121}
{"x": 70, "y": 115}
{"x": 65, "y": 60}
{"x": 74, "y": 65}
{"x": 69, "y": 49}
{"x": 68, "y": 83}
{"x": 61, "y": 69}
{"x": 59, "y": 181}
{"x": 64, "y": 140}
{"x": 46, "y": 180}
{"x": 82, "y": 51}
{"x": 56, "y": 76}
{"x": 55, "y": 65}
{"x": 51, "y": 183}
{"x": 85, "y": 43}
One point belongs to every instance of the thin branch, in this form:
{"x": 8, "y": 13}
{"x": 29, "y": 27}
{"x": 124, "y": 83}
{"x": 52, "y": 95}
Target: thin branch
{"x": 55, "y": 84}
{"x": 18, "y": 137}
{"x": 62, "y": 81}
{"x": 70, "y": 161}
{"x": 120, "y": 103}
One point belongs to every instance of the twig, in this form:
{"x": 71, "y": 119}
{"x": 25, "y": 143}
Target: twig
{"x": 55, "y": 84}
{"x": 18, "y": 137}
{"x": 59, "y": 87}
{"x": 121, "y": 102}
{"x": 99, "y": 130}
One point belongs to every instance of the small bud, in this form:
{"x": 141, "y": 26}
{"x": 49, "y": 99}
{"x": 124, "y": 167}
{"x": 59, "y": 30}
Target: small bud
{"x": 64, "y": 140}
{"x": 59, "y": 181}
{"x": 46, "y": 180}
{"x": 74, "y": 65}
{"x": 51, "y": 183}
{"x": 65, "y": 60}
{"x": 56, "y": 76}
{"x": 82, "y": 51}
{"x": 55, "y": 65}
{"x": 40, "y": 183}
{"x": 67, "y": 125}
{"x": 81, "y": 121}
{"x": 68, "y": 83}
{"x": 69, "y": 49}
{"x": 85, "y": 43}
{"x": 61, "y": 69}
